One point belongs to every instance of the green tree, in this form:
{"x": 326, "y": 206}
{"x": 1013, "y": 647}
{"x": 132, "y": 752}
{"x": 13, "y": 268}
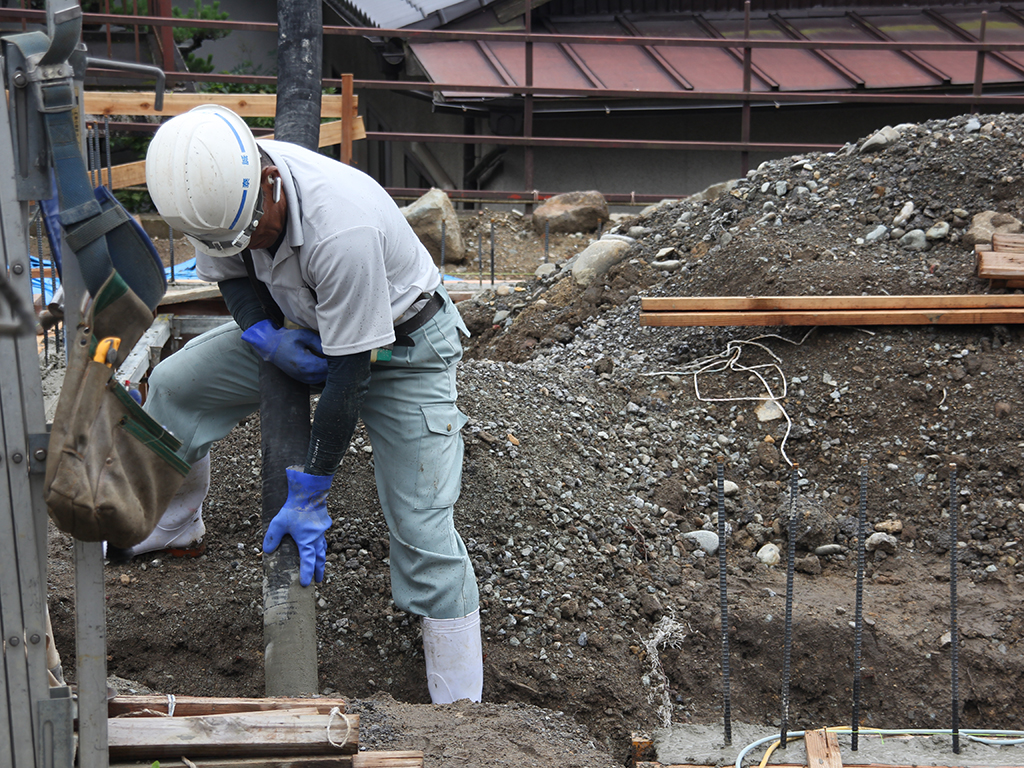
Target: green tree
{"x": 189, "y": 39}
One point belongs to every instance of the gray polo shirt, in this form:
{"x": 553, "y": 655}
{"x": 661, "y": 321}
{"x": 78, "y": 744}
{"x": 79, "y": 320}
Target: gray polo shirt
{"x": 350, "y": 265}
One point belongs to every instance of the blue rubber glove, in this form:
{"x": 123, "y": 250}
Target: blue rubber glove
{"x": 304, "y": 518}
{"x": 298, "y": 353}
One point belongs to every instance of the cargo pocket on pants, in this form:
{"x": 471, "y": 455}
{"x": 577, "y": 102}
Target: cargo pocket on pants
{"x": 439, "y": 469}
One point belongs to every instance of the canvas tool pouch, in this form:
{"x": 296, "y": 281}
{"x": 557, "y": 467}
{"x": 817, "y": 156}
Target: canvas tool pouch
{"x": 111, "y": 469}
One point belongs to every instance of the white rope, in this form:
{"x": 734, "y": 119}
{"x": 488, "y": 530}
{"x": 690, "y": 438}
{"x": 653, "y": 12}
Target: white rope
{"x": 335, "y": 712}
{"x": 728, "y": 361}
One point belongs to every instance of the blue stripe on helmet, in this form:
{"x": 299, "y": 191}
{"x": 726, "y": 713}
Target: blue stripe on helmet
{"x": 241, "y": 147}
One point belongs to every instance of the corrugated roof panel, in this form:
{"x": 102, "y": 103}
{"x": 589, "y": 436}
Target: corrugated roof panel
{"x": 394, "y": 14}
{"x": 878, "y": 69}
{"x": 793, "y": 70}
{"x": 667, "y": 68}
{"x": 457, "y": 62}
{"x": 707, "y": 69}
{"x": 918, "y": 28}
{"x": 619, "y": 67}
{"x": 1001, "y": 27}
{"x": 552, "y": 66}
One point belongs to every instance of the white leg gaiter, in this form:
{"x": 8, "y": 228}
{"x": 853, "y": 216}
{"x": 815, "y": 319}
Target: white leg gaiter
{"x": 454, "y": 655}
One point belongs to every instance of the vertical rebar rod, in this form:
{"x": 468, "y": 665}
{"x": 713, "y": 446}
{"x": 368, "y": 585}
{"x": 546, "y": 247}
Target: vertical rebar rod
{"x": 90, "y": 146}
{"x": 42, "y": 277}
{"x": 110, "y": 166}
{"x": 492, "y": 251}
{"x": 858, "y": 610}
{"x": 954, "y": 639}
{"x": 723, "y": 602}
{"x": 170, "y": 245}
{"x": 787, "y": 647}
{"x": 547, "y": 235}
{"x": 443, "y": 238}
{"x": 480, "y": 254}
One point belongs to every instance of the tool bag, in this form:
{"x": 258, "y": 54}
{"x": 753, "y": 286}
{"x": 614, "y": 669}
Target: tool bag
{"x": 111, "y": 469}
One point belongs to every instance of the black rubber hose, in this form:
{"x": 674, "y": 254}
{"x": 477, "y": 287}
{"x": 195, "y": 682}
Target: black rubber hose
{"x": 723, "y": 601}
{"x": 858, "y": 611}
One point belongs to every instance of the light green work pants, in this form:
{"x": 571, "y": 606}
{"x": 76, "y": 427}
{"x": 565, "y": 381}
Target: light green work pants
{"x": 202, "y": 391}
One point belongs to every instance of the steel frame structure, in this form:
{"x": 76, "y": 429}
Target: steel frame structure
{"x": 528, "y": 93}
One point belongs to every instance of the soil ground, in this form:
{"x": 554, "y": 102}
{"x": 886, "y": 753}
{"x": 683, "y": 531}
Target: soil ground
{"x": 575, "y": 667}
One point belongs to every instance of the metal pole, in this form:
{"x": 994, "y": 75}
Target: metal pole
{"x": 745, "y": 111}
{"x": 528, "y": 106}
{"x": 289, "y": 610}
{"x": 979, "y": 67}
{"x": 492, "y": 251}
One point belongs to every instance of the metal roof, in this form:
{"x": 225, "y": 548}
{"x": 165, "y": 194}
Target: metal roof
{"x": 396, "y": 14}
{"x": 604, "y": 66}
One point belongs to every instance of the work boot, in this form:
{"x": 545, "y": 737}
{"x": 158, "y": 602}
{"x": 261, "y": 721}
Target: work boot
{"x": 181, "y": 528}
{"x": 454, "y": 654}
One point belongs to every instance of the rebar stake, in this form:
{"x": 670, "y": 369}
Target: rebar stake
{"x": 110, "y": 166}
{"x": 547, "y": 231}
{"x": 724, "y": 603}
{"x": 170, "y": 245}
{"x": 492, "y": 251}
{"x": 858, "y": 611}
{"x": 954, "y": 640}
{"x": 788, "y": 642}
{"x": 443, "y": 238}
{"x": 480, "y": 254}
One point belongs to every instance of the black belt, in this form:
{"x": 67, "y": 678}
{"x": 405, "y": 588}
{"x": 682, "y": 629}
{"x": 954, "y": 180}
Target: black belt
{"x": 417, "y": 321}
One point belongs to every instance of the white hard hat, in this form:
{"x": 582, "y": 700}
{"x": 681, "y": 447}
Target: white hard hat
{"x": 203, "y": 173}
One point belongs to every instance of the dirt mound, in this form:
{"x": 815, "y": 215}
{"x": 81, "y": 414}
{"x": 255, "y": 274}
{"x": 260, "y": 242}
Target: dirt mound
{"x": 590, "y": 486}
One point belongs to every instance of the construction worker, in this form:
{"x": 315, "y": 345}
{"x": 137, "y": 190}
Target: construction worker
{"x": 353, "y": 281}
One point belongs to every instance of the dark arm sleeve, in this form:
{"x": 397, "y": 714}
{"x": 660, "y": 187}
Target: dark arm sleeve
{"x": 348, "y": 379}
{"x": 242, "y": 302}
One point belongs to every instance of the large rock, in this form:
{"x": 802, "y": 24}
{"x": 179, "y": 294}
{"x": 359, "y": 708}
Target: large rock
{"x": 571, "y": 212}
{"x": 984, "y": 224}
{"x": 597, "y": 259}
{"x": 425, "y": 215}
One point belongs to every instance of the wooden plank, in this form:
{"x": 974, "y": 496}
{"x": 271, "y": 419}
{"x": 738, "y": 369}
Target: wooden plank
{"x": 205, "y": 291}
{"x": 993, "y": 316}
{"x": 371, "y": 759}
{"x": 823, "y": 303}
{"x": 260, "y": 734}
{"x": 1004, "y": 241}
{"x": 203, "y": 705}
{"x": 134, "y": 174}
{"x": 997, "y": 265}
{"x": 244, "y": 104}
{"x": 822, "y": 749}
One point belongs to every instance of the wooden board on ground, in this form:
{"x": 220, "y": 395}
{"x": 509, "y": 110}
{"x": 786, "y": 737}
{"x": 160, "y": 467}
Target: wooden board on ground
{"x": 999, "y": 265}
{"x": 369, "y": 759}
{"x": 203, "y": 705}
{"x": 1003, "y": 241}
{"x": 827, "y": 303}
{"x": 256, "y": 734}
{"x": 822, "y": 747}
{"x": 968, "y": 309}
